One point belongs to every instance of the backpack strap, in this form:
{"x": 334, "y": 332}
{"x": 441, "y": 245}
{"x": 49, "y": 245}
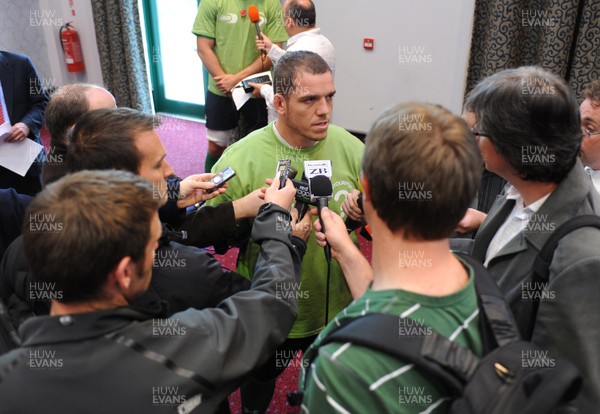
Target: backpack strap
{"x": 434, "y": 354}
{"x": 497, "y": 323}
{"x": 541, "y": 268}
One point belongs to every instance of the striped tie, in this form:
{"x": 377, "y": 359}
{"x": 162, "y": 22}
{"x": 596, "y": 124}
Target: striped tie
{"x": 1, "y": 113}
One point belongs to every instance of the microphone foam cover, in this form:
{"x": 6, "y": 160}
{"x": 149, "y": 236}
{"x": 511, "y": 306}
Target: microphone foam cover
{"x": 253, "y": 14}
{"x": 321, "y": 186}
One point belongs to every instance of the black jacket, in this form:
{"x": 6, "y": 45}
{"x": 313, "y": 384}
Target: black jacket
{"x": 12, "y": 212}
{"x": 125, "y": 360}
{"x": 208, "y": 226}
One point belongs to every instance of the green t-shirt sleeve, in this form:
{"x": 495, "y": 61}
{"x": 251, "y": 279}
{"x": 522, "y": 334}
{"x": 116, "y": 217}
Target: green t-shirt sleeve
{"x": 274, "y": 28}
{"x": 206, "y": 19}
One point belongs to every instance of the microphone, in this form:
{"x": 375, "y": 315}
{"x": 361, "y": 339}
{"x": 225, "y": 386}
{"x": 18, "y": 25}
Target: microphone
{"x": 321, "y": 191}
{"x": 352, "y": 225}
{"x": 255, "y": 18}
{"x": 302, "y": 196}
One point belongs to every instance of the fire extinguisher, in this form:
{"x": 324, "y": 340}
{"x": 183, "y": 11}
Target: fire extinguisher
{"x": 69, "y": 40}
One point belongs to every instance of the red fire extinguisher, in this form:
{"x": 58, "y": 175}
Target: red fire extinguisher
{"x": 69, "y": 40}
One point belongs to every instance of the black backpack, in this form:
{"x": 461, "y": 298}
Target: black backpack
{"x": 514, "y": 376}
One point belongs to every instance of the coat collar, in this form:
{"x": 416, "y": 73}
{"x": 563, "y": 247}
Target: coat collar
{"x": 562, "y": 205}
{"x": 72, "y": 328}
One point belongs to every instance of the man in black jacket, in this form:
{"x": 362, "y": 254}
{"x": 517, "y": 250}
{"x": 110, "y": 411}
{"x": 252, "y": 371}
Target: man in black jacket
{"x": 91, "y": 239}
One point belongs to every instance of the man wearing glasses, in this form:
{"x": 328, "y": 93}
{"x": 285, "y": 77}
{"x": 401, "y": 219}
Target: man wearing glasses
{"x": 590, "y": 124}
{"x": 529, "y": 131}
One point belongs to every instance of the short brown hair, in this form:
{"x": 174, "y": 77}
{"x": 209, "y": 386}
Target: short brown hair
{"x": 291, "y": 65}
{"x": 423, "y": 167}
{"x": 105, "y": 139}
{"x": 78, "y": 229}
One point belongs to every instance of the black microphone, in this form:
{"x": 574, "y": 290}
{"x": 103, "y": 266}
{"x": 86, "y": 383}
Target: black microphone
{"x": 302, "y": 196}
{"x": 255, "y": 18}
{"x": 351, "y": 224}
{"x": 321, "y": 191}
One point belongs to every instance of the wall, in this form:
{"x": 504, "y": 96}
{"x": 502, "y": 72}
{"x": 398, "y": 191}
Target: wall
{"x": 21, "y": 37}
{"x": 421, "y": 53}
{"x": 32, "y": 28}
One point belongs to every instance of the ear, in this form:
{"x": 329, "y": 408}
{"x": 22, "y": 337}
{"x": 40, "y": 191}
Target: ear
{"x": 280, "y": 104}
{"x": 289, "y": 22}
{"x": 124, "y": 273}
{"x": 364, "y": 182}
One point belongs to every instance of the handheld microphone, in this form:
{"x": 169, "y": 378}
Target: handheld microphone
{"x": 352, "y": 225}
{"x": 321, "y": 191}
{"x": 302, "y": 196}
{"x": 255, "y": 18}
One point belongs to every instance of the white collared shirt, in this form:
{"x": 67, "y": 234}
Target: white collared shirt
{"x": 514, "y": 224}
{"x": 311, "y": 40}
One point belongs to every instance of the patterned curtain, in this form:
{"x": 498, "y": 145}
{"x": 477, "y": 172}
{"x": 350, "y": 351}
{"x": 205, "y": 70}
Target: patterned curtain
{"x": 559, "y": 35}
{"x": 121, "y": 49}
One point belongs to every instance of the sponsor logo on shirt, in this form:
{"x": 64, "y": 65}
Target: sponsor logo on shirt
{"x": 230, "y": 18}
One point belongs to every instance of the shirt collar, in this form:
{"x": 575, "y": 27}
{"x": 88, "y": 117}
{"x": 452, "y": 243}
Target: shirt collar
{"x": 311, "y": 32}
{"x": 513, "y": 194}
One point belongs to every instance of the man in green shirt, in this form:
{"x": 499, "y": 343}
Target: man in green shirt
{"x": 226, "y": 45}
{"x": 303, "y": 99}
{"x": 421, "y": 169}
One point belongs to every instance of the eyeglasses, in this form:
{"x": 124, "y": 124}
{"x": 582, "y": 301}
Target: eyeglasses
{"x": 481, "y": 134}
{"x": 590, "y": 134}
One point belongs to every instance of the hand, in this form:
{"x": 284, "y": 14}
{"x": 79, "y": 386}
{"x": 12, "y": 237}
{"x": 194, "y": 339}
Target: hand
{"x": 336, "y": 234}
{"x": 226, "y": 82}
{"x": 18, "y": 132}
{"x": 193, "y": 189}
{"x": 263, "y": 190}
{"x": 350, "y": 206}
{"x": 303, "y": 227}
{"x": 471, "y": 221}
{"x": 264, "y": 44}
{"x": 247, "y": 206}
{"x": 284, "y": 197}
{"x": 256, "y": 90}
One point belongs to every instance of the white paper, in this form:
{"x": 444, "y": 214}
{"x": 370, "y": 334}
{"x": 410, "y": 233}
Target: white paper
{"x": 240, "y": 97}
{"x": 18, "y": 156}
{"x": 5, "y": 130}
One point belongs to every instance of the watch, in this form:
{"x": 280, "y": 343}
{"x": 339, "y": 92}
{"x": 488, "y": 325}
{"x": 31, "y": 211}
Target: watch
{"x": 264, "y": 207}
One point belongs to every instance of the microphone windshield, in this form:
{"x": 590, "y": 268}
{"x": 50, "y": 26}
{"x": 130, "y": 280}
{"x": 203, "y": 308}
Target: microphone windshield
{"x": 253, "y": 14}
{"x": 320, "y": 186}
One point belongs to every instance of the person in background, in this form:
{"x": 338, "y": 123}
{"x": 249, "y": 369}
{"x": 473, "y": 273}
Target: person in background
{"x": 23, "y": 100}
{"x": 590, "y": 125}
{"x": 299, "y": 20}
{"x": 225, "y": 38}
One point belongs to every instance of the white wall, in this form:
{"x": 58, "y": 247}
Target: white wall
{"x": 21, "y": 37}
{"x": 435, "y": 32}
{"x": 31, "y": 27}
